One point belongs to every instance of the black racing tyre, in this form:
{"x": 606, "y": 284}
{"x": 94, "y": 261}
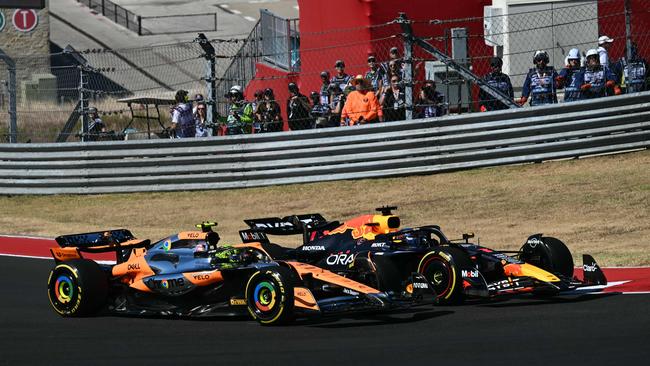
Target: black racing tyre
{"x": 552, "y": 255}
{"x": 77, "y": 288}
{"x": 442, "y": 269}
{"x": 269, "y": 295}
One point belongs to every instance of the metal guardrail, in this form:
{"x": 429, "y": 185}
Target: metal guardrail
{"x": 392, "y": 149}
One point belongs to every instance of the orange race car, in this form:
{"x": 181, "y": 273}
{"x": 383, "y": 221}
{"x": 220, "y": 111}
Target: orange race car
{"x": 191, "y": 274}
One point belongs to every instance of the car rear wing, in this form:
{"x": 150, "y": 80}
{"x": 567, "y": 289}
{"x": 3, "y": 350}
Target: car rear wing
{"x": 95, "y": 239}
{"x": 289, "y": 225}
{"x": 120, "y": 241}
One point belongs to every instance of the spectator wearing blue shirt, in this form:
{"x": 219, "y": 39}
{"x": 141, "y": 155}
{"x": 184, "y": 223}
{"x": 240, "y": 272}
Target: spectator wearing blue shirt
{"x": 341, "y": 78}
{"x": 599, "y": 80}
{"x": 377, "y": 76}
{"x": 633, "y": 73}
{"x": 324, "y": 88}
{"x": 571, "y": 77}
{"x": 539, "y": 85}
{"x": 498, "y": 80}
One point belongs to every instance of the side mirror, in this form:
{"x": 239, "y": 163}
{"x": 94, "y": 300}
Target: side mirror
{"x": 467, "y": 236}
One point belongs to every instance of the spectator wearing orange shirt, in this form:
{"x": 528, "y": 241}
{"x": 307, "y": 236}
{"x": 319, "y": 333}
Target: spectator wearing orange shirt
{"x": 361, "y": 105}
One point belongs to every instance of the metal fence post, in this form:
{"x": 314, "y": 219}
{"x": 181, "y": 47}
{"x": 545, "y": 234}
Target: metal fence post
{"x": 13, "y": 125}
{"x": 408, "y": 60}
{"x": 211, "y": 76}
{"x": 115, "y": 12}
{"x": 103, "y": 8}
{"x": 628, "y": 30}
{"x": 139, "y": 25}
{"x": 83, "y": 106}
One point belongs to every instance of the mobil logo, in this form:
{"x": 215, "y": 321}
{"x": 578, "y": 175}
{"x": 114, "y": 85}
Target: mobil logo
{"x": 25, "y": 20}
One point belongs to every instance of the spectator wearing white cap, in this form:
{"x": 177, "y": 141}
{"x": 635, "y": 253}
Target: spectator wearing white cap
{"x": 604, "y": 43}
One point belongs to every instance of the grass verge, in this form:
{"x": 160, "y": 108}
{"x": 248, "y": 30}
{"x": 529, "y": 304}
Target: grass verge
{"x": 597, "y": 205}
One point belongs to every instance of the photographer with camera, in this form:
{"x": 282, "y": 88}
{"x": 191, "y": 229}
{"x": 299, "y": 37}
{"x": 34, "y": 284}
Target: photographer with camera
{"x": 431, "y": 102}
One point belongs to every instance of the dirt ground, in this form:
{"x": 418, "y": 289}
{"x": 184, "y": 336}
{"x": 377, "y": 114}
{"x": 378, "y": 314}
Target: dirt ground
{"x": 597, "y": 205}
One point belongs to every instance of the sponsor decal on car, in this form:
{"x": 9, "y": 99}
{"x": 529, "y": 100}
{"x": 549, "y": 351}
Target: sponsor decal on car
{"x": 379, "y": 245}
{"x": 340, "y": 259}
{"x": 590, "y": 267}
{"x": 237, "y": 302}
{"x": 469, "y": 273}
{"x": 313, "y": 247}
{"x": 533, "y": 242}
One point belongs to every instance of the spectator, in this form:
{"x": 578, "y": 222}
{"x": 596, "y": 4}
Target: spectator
{"x": 337, "y": 101}
{"x": 540, "y": 82}
{"x": 297, "y": 109}
{"x": 377, "y": 76}
{"x": 633, "y": 73}
{"x": 324, "y": 88}
{"x": 341, "y": 78}
{"x": 200, "y": 120}
{"x": 96, "y": 127}
{"x": 431, "y": 103}
{"x": 268, "y": 113}
{"x": 604, "y": 44}
{"x": 393, "y": 101}
{"x": 497, "y": 80}
{"x": 394, "y": 55}
{"x": 182, "y": 118}
{"x": 258, "y": 97}
{"x": 395, "y": 69}
{"x": 571, "y": 77}
{"x": 240, "y": 118}
{"x": 198, "y": 98}
{"x": 599, "y": 80}
{"x": 320, "y": 112}
{"x": 361, "y": 105}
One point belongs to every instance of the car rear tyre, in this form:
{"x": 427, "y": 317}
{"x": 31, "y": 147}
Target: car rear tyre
{"x": 269, "y": 296}
{"x": 551, "y": 255}
{"x": 442, "y": 269}
{"x": 77, "y": 288}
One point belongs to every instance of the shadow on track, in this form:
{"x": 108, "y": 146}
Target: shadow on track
{"x": 536, "y": 301}
{"x": 371, "y": 320}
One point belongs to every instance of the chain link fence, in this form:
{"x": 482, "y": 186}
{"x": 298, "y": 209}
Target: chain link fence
{"x": 277, "y": 53}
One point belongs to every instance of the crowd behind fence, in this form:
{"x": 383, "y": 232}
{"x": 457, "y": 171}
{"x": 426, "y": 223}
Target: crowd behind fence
{"x": 48, "y": 94}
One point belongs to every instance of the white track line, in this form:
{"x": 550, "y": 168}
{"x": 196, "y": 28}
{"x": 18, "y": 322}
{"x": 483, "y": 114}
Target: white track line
{"x": 47, "y": 258}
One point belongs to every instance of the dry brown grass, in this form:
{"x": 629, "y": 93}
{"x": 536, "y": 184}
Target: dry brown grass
{"x": 596, "y": 205}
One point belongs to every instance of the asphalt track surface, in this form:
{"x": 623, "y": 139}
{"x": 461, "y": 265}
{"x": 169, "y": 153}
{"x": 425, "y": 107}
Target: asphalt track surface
{"x": 589, "y": 330}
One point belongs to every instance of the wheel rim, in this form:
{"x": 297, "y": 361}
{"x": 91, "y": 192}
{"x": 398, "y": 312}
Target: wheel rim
{"x": 438, "y": 272}
{"x": 264, "y": 296}
{"x": 64, "y": 291}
